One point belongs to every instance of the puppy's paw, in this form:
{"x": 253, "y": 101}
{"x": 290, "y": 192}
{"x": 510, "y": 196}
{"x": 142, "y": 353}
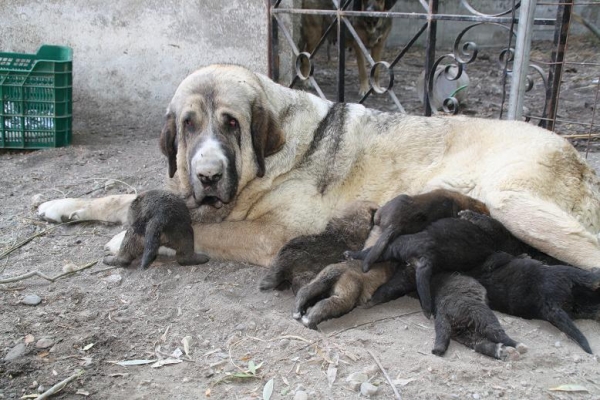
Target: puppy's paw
{"x": 521, "y": 348}
{"x": 296, "y": 315}
{"x": 438, "y": 351}
{"x": 308, "y": 323}
{"x": 507, "y": 353}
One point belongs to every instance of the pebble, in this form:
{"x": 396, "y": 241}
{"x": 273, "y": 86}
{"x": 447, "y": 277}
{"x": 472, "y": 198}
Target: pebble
{"x": 371, "y": 370}
{"x": 300, "y": 395}
{"x": 36, "y": 200}
{"x": 15, "y": 352}
{"x": 44, "y": 343}
{"x": 354, "y": 380}
{"x": 31, "y": 300}
{"x": 113, "y": 280}
{"x": 368, "y": 389}
{"x": 476, "y": 396}
{"x": 283, "y": 343}
{"x": 557, "y": 343}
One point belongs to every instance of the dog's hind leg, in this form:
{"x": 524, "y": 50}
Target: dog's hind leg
{"x": 131, "y": 247}
{"x": 560, "y": 319}
{"x": 333, "y": 306}
{"x": 546, "y": 227}
{"x": 316, "y": 290}
{"x": 424, "y": 271}
{"x": 183, "y": 241}
{"x": 493, "y": 331}
{"x": 443, "y": 333}
{"x": 483, "y": 345}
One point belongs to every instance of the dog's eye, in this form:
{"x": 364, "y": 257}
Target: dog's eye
{"x": 188, "y": 123}
{"x": 232, "y": 122}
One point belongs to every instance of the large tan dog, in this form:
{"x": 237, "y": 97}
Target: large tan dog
{"x": 259, "y": 164}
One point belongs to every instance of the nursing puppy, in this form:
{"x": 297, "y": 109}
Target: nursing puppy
{"x": 302, "y": 258}
{"x": 529, "y": 289}
{"x": 157, "y": 218}
{"x": 461, "y": 313}
{"x": 406, "y": 214}
{"x": 449, "y": 244}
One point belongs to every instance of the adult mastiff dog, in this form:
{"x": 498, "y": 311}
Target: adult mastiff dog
{"x": 259, "y": 164}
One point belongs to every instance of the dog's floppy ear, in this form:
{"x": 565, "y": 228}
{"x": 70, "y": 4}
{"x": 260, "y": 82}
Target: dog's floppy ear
{"x": 168, "y": 142}
{"x": 267, "y": 137}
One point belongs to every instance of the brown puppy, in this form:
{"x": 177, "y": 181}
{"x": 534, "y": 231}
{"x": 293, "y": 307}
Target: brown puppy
{"x": 372, "y": 31}
{"x": 157, "y": 217}
{"x": 411, "y": 214}
{"x": 302, "y": 258}
{"x": 461, "y": 313}
{"x": 339, "y": 288}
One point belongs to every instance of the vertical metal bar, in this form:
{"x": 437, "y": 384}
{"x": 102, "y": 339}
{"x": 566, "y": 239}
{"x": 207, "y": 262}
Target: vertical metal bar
{"x": 273, "y": 32}
{"x": 269, "y": 40}
{"x": 430, "y": 52}
{"x": 341, "y": 42}
{"x": 521, "y": 62}
{"x": 561, "y": 32}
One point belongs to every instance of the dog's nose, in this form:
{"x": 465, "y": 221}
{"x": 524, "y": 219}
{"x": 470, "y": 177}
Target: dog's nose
{"x": 209, "y": 180}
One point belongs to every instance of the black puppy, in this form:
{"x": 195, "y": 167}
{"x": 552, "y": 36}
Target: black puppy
{"x": 529, "y": 289}
{"x": 461, "y": 313}
{"x": 406, "y": 214}
{"x": 157, "y": 218}
{"x": 449, "y": 244}
{"x": 302, "y": 258}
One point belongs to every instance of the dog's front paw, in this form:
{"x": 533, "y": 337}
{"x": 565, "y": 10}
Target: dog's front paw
{"x": 59, "y": 210}
{"x": 113, "y": 246}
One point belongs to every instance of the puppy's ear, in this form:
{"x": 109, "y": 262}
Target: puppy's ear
{"x": 267, "y": 136}
{"x": 168, "y": 142}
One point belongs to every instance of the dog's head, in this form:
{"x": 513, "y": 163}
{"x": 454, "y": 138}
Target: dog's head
{"x": 218, "y": 131}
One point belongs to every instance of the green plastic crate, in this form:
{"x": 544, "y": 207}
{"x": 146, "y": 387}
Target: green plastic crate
{"x": 36, "y": 92}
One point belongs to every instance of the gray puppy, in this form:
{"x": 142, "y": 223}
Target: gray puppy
{"x": 462, "y": 313}
{"x": 156, "y": 218}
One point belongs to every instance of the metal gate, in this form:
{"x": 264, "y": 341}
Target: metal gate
{"x": 517, "y": 21}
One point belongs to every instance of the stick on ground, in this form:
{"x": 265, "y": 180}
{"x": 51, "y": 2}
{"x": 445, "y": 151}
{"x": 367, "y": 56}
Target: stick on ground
{"x": 387, "y": 377}
{"x": 46, "y": 277}
{"x": 59, "y": 386}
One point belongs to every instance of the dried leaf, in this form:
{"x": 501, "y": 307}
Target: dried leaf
{"x": 89, "y": 346}
{"x": 284, "y": 379}
{"x": 29, "y": 338}
{"x": 268, "y": 389}
{"x": 163, "y": 338}
{"x": 30, "y": 396}
{"x": 82, "y": 392}
{"x": 207, "y": 393}
{"x": 252, "y": 367}
{"x": 166, "y": 361}
{"x": 186, "y": 341}
{"x": 331, "y": 374}
{"x": 128, "y": 363}
{"x": 569, "y": 388}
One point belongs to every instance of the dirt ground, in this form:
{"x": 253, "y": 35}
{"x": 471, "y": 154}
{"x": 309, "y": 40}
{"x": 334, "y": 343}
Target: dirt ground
{"x": 239, "y": 339}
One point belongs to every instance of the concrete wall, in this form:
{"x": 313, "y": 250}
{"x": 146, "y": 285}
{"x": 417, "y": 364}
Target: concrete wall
{"x": 130, "y": 55}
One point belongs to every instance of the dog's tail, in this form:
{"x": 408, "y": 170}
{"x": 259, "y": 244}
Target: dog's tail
{"x": 379, "y": 247}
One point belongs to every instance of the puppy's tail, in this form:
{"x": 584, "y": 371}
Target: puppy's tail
{"x": 151, "y": 243}
{"x": 378, "y": 248}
